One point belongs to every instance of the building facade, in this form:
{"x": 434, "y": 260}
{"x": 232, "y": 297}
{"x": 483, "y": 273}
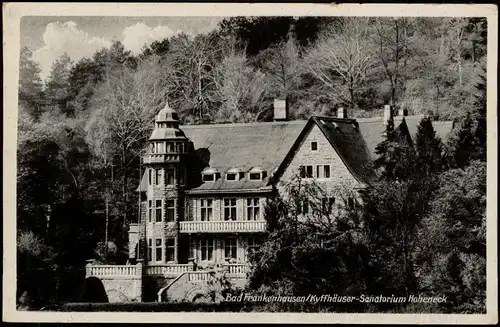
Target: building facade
{"x": 204, "y": 188}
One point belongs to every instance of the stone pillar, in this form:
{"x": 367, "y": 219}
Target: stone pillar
{"x": 138, "y": 280}
{"x": 88, "y": 269}
{"x": 191, "y": 264}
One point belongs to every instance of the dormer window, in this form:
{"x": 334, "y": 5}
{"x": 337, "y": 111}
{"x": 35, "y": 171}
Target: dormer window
{"x": 210, "y": 174}
{"x": 209, "y": 178}
{"x": 234, "y": 174}
{"x": 257, "y": 174}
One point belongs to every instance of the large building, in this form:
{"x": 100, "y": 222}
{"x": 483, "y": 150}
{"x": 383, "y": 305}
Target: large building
{"x": 204, "y": 188}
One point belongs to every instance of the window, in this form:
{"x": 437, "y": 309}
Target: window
{"x": 207, "y": 249}
{"x": 161, "y": 147}
{"x": 231, "y": 177}
{"x": 150, "y": 211}
{"x": 157, "y": 176}
{"x": 208, "y": 178}
{"x": 158, "y": 249}
{"x": 314, "y": 146}
{"x": 170, "y": 147}
{"x": 318, "y": 171}
{"x": 254, "y": 176}
{"x": 180, "y": 147}
{"x": 170, "y": 210}
{"x": 158, "y": 211}
{"x": 170, "y": 250}
{"x": 150, "y": 249}
{"x": 327, "y": 204}
{"x": 170, "y": 176}
{"x": 230, "y": 248}
{"x": 150, "y": 171}
{"x": 253, "y": 209}
{"x": 326, "y": 171}
{"x": 206, "y": 209}
{"x": 230, "y": 209}
{"x": 309, "y": 171}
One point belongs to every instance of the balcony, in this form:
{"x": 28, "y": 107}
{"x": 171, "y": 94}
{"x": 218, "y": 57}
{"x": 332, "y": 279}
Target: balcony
{"x": 231, "y": 226}
{"x": 160, "y": 158}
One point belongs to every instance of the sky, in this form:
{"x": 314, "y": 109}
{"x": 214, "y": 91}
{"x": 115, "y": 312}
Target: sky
{"x": 49, "y": 37}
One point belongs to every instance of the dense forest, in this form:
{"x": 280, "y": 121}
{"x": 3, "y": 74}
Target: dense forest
{"x": 81, "y": 131}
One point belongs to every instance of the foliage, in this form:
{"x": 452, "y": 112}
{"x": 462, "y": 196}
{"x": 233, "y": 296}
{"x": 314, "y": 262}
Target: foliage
{"x": 452, "y": 257}
{"x": 395, "y": 154}
{"x": 428, "y": 148}
{"x": 320, "y": 252}
{"x": 30, "y": 84}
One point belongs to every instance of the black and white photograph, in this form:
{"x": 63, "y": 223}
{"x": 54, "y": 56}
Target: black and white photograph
{"x": 217, "y": 160}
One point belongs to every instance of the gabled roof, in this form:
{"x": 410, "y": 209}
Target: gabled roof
{"x": 346, "y": 139}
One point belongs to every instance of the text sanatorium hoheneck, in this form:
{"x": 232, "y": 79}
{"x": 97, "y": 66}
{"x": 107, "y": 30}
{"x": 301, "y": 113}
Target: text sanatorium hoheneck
{"x": 335, "y": 298}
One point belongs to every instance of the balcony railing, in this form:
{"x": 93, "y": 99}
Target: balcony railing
{"x": 160, "y": 157}
{"x": 232, "y": 226}
{"x": 111, "y": 271}
{"x": 168, "y": 269}
{"x": 237, "y": 270}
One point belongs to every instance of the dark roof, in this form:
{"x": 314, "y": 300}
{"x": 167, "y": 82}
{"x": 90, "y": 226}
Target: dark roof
{"x": 244, "y": 145}
{"x": 373, "y": 128}
{"x": 345, "y": 137}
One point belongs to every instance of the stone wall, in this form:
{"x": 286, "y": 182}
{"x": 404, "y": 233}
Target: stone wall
{"x": 340, "y": 176}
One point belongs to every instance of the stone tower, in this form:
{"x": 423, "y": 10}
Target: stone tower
{"x": 163, "y": 204}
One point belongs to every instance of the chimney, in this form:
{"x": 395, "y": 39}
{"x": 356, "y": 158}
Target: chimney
{"x": 342, "y": 113}
{"x": 280, "y": 109}
{"x": 387, "y": 114}
{"x": 403, "y": 112}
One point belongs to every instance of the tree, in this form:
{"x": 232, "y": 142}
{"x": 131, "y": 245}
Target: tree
{"x": 57, "y": 84}
{"x": 317, "y": 250}
{"x": 392, "y": 213}
{"x": 240, "y": 89}
{"x": 428, "y": 148}
{"x": 122, "y": 111}
{"x": 158, "y": 48}
{"x": 282, "y": 62}
{"x": 342, "y": 58}
{"x": 391, "y": 39}
{"x": 189, "y": 70}
{"x": 395, "y": 154}
{"x": 30, "y": 84}
{"x": 452, "y": 253}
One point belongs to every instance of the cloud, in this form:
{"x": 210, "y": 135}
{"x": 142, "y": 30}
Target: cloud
{"x": 140, "y": 34}
{"x": 59, "y": 38}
